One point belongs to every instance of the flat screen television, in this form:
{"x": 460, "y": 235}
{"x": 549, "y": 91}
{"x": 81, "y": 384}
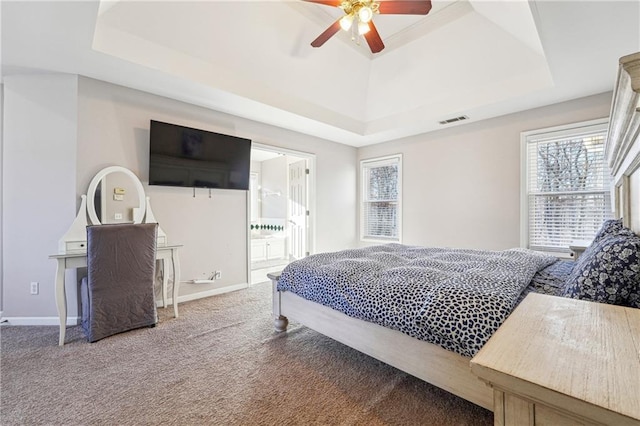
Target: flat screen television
{"x": 182, "y": 156}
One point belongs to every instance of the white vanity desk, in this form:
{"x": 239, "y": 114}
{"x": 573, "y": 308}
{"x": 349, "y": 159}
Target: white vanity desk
{"x": 79, "y": 260}
{"x": 72, "y": 247}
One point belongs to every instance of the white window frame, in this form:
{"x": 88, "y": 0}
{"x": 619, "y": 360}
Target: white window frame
{"x": 568, "y": 130}
{"x": 373, "y": 162}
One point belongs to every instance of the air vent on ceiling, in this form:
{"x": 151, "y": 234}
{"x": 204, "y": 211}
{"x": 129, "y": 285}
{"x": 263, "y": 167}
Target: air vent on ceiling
{"x": 453, "y": 120}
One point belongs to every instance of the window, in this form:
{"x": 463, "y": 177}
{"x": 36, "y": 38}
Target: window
{"x": 381, "y": 195}
{"x": 567, "y": 185}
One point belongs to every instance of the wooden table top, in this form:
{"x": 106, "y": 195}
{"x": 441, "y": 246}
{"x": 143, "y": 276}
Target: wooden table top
{"x": 587, "y": 351}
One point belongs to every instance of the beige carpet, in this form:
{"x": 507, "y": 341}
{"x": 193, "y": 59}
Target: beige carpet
{"x": 220, "y": 363}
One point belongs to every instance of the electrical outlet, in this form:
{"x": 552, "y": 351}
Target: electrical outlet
{"x": 35, "y": 288}
{"x": 217, "y": 275}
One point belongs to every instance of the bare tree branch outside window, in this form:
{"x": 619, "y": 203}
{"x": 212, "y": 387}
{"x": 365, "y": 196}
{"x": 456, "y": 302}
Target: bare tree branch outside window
{"x": 568, "y": 191}
{"x": 381, "y": 200}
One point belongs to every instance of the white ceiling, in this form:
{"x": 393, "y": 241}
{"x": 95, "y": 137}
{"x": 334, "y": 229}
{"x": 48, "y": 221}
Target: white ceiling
{"x": 476, "y": 58}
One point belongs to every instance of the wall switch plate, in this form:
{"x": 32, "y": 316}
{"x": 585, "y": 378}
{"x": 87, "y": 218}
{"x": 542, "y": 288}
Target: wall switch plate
{"x": 35, "y": 288}
{"x": 118, "y": 197}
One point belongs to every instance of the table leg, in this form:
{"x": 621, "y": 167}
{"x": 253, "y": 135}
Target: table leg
{"x": 176, "y": 280}
{"x": 165, "y": 282}
{"x": 61, "y": 299}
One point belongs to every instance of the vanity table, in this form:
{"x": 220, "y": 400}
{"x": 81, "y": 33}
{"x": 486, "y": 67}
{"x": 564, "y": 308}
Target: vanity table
{"x": 167, "y": 254}
{"x": 98, "y": 207}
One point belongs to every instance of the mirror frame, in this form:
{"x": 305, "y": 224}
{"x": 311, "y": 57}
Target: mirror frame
{"x": 97, "y": 179}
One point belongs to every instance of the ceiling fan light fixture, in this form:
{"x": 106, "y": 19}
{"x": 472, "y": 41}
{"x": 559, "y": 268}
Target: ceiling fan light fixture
{"x": 365, "y": 13}
{"x": 362, "y": 12}
{"x": 363, "y": 28}
{"x": 346, "y": 21}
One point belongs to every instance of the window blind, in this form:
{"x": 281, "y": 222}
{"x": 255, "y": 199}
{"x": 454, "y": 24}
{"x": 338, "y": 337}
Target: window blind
{"x": 381, "y": 199}
{"x": 568, "y": 187}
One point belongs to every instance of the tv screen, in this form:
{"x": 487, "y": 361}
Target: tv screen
{"x": 182, "y": 156}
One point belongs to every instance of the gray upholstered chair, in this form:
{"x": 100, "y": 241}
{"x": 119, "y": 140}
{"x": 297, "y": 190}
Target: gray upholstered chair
{"x": 118, "y": 293}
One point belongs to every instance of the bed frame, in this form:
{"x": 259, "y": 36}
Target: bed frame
{"x": 431, "y": 363}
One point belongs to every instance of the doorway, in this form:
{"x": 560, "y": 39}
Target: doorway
{"x": 280, "y": 209}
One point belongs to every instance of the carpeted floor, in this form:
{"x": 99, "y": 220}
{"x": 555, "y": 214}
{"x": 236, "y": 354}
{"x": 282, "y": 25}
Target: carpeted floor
{"x": 220, "y": 363}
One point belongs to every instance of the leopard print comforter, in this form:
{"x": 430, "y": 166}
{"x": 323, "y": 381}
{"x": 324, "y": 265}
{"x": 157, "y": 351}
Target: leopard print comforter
{"x": 455, "y": 298}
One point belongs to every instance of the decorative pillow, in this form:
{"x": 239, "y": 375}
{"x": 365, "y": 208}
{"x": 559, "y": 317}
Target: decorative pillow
{"x": 608, "y": 271}
{"x": 612, "y": 227}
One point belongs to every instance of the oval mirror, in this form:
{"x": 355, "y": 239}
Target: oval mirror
{"x": 120, "y": 197}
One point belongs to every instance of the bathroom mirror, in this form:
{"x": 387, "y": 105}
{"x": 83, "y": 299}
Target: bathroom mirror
{"x": 115, "y": 195}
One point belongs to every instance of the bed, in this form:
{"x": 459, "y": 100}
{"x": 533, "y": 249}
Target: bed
{"x": 349, "y": 312}
{"x": 445, "y": 363}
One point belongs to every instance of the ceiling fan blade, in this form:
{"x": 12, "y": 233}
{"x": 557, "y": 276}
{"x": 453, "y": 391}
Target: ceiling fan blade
{"x": 327, "y": 34}
{"x": 334, "y": 3}
{"x": 405, "y": 7}
{"x": 373, "y": 38}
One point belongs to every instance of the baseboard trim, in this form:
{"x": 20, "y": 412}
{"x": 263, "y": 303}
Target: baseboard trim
{"x": 203, "y": 294}
{"x": 213, "y": 292}
{"x": 76, "y": 320}
{"x": 39, "y": 321}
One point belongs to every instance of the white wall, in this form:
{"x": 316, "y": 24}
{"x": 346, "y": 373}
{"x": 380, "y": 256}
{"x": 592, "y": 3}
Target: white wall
{"x": 113, "y": 129}
{"x": 274, "y": 179}
{"x": 59, "y": 130}
{"x": 461, "y": 186}
{"x": 1, "y": 183}
{"x": 256, "y": 204}
{"x": 39, "y": 188}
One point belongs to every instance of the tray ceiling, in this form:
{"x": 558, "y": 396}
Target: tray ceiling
{"x": 253, "y": 59}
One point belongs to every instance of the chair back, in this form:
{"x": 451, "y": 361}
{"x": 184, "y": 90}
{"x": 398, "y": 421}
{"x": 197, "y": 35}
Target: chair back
{"x": 118, "y": 293}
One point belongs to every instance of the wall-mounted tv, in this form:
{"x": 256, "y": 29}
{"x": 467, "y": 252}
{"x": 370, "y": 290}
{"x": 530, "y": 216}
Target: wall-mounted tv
{"x": 182, "y": 156}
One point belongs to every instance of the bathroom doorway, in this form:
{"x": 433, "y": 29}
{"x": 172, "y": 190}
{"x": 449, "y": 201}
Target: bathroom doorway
{"x": 280, "y": 209}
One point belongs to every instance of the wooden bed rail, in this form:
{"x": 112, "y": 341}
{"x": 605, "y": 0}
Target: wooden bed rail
{"x": 431, "y": 363}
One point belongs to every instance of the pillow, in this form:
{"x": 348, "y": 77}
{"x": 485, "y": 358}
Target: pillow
{"x": 612, "y": 227}
{"x": 608, "y": 271}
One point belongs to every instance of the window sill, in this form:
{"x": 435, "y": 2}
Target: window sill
{"x": 379, "y": 241}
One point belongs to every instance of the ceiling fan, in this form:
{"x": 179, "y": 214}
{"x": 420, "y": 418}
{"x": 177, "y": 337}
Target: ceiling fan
{"x": 359, "y": 14}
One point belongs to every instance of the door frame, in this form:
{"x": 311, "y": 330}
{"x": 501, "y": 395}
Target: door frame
{"x": 311, "y": 199}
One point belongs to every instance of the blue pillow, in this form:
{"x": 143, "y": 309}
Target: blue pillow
{"x": 608, "y": 271}
{"x": 612, "y": 227}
